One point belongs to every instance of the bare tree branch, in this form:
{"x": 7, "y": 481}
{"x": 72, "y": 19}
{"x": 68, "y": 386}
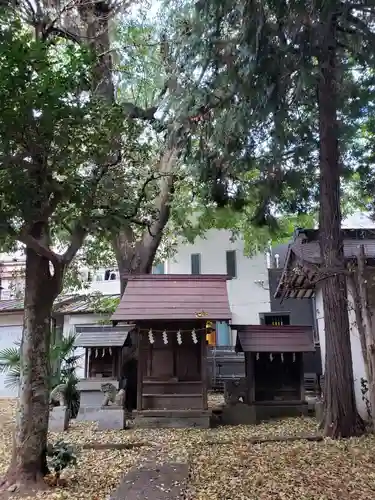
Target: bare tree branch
{"x": 83, "y": 225}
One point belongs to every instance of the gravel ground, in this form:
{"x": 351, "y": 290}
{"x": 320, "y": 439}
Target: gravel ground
{"x": 228, "y": 469}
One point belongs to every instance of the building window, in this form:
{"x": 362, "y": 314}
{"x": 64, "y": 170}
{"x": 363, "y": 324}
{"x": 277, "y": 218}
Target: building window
{"x": 274, "y": 319}
{"x": 231, "y": 264}
{"x": 159, "y": 268}
{"x": 195, "y": 263}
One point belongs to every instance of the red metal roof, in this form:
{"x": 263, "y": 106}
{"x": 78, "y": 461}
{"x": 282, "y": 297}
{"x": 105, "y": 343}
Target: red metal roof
{"x": 174, "y": 297}
{"x": 269, "y": 338}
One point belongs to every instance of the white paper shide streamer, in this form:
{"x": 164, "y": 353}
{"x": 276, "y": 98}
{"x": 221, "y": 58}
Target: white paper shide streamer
{"x": 282, "y": 357}
{"x": 271, "y": 357}
{"x": 194, "y": 336}
{"x": 257, "y": 356}
{"x": 294, "y": 357}
{"x": 165, "y": 337}
{"x": 179, "y": 338}
{"x": 151, "y": 337}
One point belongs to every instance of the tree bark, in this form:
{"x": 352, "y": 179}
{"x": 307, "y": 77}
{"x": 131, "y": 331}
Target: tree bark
{"x": 138, "y": 255}
{"x": 341, "y": 416}
{"x": 359, "y": 320}
{"x": 368, "y": 328}
{"x": 28, "y": 465}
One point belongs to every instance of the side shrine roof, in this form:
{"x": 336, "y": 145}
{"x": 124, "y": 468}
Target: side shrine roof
{"x": 270, "y": 338}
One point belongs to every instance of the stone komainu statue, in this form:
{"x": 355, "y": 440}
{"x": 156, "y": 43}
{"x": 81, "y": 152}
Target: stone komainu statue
{"x": 235, "y": 391}
{"x": 57, "y": 396}
{"x": 112, "y": 396}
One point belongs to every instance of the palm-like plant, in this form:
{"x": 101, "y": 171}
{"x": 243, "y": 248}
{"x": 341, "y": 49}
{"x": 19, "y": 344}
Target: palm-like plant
{"x": 63, "y": 368}
{"x": 10, "y": 364}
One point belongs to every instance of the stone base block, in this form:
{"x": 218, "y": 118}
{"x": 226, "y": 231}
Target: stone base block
{"x": 107, "y": 418}
{"x": 58, "y": 419}
{"x": 238, "y": 414}
{"x": 319, "y": 410}
{"x": 266, "y": 411}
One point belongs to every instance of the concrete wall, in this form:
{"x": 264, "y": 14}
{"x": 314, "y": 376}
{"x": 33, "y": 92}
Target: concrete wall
{"x": 248, "y": 292}
{"x": 357, "y": 358}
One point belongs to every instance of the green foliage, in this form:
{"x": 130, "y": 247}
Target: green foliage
{"x": 60, "y": 456}
{"x": 64, "y": 150}
{"x": 11, "y": 366}
{"x": 252, "y": 70}
{"x": 103, "y": 304}
{"x": 63, "y": 363}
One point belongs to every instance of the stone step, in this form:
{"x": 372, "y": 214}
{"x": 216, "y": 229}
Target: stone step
{"x": 153, "y": 482}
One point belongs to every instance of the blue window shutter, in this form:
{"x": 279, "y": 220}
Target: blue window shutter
{"x": 158, "y": 269}
{"x": 222, "y": 333}
{"x": 195, "y": 263}
{"x": 231, "y": 263}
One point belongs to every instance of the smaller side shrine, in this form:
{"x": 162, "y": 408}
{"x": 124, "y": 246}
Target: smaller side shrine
{"x": 274, "y": 383}
{"x": 170, "y": 313}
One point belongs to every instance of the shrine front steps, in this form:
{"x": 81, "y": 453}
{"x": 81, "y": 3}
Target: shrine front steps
{"x": 176, "y": 419}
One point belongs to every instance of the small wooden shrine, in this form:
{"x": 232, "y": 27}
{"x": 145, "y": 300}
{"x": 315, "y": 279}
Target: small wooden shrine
{"x": 170, "y": 313}
{"x": 274, "y": 367}
{"x": 105, "y": 349}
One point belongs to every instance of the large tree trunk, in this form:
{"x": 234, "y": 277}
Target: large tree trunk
{"x": 341, "y": 416}
{"x": 28, "y": 465}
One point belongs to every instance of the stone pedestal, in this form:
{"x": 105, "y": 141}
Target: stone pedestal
{"x": 107, "y": 418}
{"x": 59, "y": 419}
{"x": 238, "y": 414}
{"x": 90, "y": 389}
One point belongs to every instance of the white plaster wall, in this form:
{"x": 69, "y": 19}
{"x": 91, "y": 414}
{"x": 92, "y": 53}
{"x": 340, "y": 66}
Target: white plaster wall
{"x": 357, "y": 358}
{"x": 79, "y": 319}
{"x": 247, "y": 298}
{"x": 11, "y": 319}
{"x": 10, "y": 332}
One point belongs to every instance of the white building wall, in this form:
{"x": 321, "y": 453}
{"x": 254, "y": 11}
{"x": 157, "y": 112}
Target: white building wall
{"x": 248, "y": 293}
{"x": 110, "y": 287}
{"x": 357, "y": 358}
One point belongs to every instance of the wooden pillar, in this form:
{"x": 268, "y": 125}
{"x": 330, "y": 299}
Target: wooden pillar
{"x": 119, "y": 362}
{"x": 86, "y": 374}
{"x": 250, "y": 376}
{"x": 140, "y": 353}
{"x": 204, "y": 369}
{"x": 299, "y": 357}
